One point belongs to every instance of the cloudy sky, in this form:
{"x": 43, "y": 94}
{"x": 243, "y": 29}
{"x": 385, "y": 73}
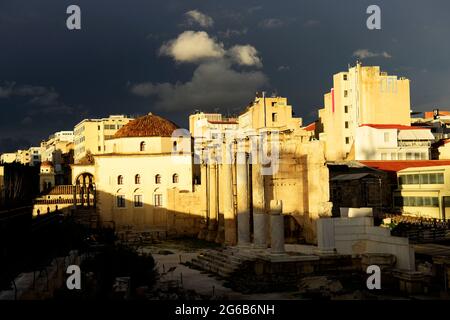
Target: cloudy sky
{"x": 173, "y": 57}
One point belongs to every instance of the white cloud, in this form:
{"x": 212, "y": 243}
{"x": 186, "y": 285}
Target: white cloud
{"x": 232, "y": 33}
{"x": 192, "y": 46}
{"x": 284, "y": 68}
{"x": 213, "y": 84}
{"x": 195, "y": 16}
{"x": 245, "y": 55}
{"x": 271, "y": 23}
{"x": 312, "y": 23}
{"x": 365, "y": 54}
{"x": 46, "y": 99}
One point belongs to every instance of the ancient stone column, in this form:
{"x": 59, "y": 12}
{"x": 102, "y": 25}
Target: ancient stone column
{"x": 226, "y": 188}
{"x": 259, "y": 214}
{"x": 213, "y": 203}
{"x": 243, "y": 213}
{"x": 276, "y": 227}
{"x": 204, "y": 183}
{"x": 74, "y": 192}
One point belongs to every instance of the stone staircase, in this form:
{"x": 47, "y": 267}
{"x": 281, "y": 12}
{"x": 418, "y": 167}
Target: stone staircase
{"x": 86, "y": 216}
{"x": 222, "y": 262}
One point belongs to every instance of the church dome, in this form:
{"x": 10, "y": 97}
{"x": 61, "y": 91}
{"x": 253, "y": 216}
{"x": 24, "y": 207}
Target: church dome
{"x": 147, "y": 126}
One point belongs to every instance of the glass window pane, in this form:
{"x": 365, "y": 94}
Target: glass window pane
{"x": 435, "y": 201}
{"x": 424, "y": 178}
{"x": 406, "y": 201}
{"x": 416, "y": 179}
{"x": 427, "y": 201}
{"x": 433, "y": 178}
{"x": 440, "y": 178}
{"x": 419, "y": 201}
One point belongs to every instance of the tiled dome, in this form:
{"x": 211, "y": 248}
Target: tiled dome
{"x": 147, "y": 126}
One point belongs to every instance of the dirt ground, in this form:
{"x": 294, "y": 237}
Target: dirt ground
{"x": 170, "y": 256}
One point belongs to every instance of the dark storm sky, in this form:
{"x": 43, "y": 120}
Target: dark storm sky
{"x": 51, "y": 78}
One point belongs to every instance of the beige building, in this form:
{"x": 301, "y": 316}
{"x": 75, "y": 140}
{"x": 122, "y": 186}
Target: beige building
{"x": 269, "y": 113}
{"x": 8, "y": 157}
{"x": 360, "y": 96}
{"x": 90, "y": 135}
{"x": 135, "y": 175}
{"x": 424, "y": 192}
{"x": 149, "y": 178}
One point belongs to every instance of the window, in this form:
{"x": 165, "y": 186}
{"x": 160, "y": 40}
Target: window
{"x": 409, "y": 156}
{"x": 347, "y": 140}
{"x": 274, "y": 117}
{"x": 346, "y": 124}
{"x": 157, "y": 179}
{"x": 416, "y": 201}
{"x": 137, "y": 179}
{"x": 138, "y": 201}
{"x": 345, "y": 93}
{"x": 346, "y": 109}
{"x": 142, "y": 146}
{"x": 416, "y": 156}
{"x": 158, "y": 200}
{"x": 175, "y": 178}
{"x": 120, "y": 180}
{"x": 345, "y": 77}
{"x": 121, "y": 201}
{"x": 174, "y": 147}
{"x": 99, "y": 148}
{"x": 384, "y": 156}
{"x": 393, "y": 156}
{"x": 386, "y": 137}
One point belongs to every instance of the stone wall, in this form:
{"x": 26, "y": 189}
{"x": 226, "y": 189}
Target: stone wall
{"x": 357, "y": 236}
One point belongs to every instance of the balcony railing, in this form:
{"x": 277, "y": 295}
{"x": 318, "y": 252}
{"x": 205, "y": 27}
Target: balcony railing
{"x": 414, "y": 143}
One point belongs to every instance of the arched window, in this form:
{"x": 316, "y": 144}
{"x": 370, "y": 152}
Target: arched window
{"x": 157, "y": 179}
{"x": 142, "y": 146}
{"x": 120, "y": 180}
{"x": 137, "y": 179}
{"x": 175, "y": 178}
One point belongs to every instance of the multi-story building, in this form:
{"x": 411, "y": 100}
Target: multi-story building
{"x": 90, "y": 135}
{"x": 424, "y": 191}
{"x": 269, "y": 113}
{"x": 362, "y": 95}
{"x": 57, "y": 145}
{"x": 8, "y": 157}
{"x": 392, "y": 142}
{"x": 35, "y": 155}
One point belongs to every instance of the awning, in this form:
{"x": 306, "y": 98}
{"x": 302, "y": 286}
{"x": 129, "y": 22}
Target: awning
{"x": 415, "y": 135}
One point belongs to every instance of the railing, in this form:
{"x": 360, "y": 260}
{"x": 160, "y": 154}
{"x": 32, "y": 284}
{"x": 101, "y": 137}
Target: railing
{"x": 420, "y": 230}
{"x": 414, "y": 143}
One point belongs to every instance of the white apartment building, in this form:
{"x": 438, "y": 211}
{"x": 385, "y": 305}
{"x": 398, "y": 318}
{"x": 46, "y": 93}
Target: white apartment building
{"x": 392, "y": 142}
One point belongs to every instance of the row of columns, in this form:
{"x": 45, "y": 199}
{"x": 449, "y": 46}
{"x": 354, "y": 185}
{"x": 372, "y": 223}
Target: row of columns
{"x": 223, "y": 225}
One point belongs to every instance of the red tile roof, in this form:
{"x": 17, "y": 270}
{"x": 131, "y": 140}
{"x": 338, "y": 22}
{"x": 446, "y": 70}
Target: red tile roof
{"x": 310, "y": 127}
{"x": 397, "y": 165}
{"x": 147, "y": 126}
{"x": 392, "y": 126}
